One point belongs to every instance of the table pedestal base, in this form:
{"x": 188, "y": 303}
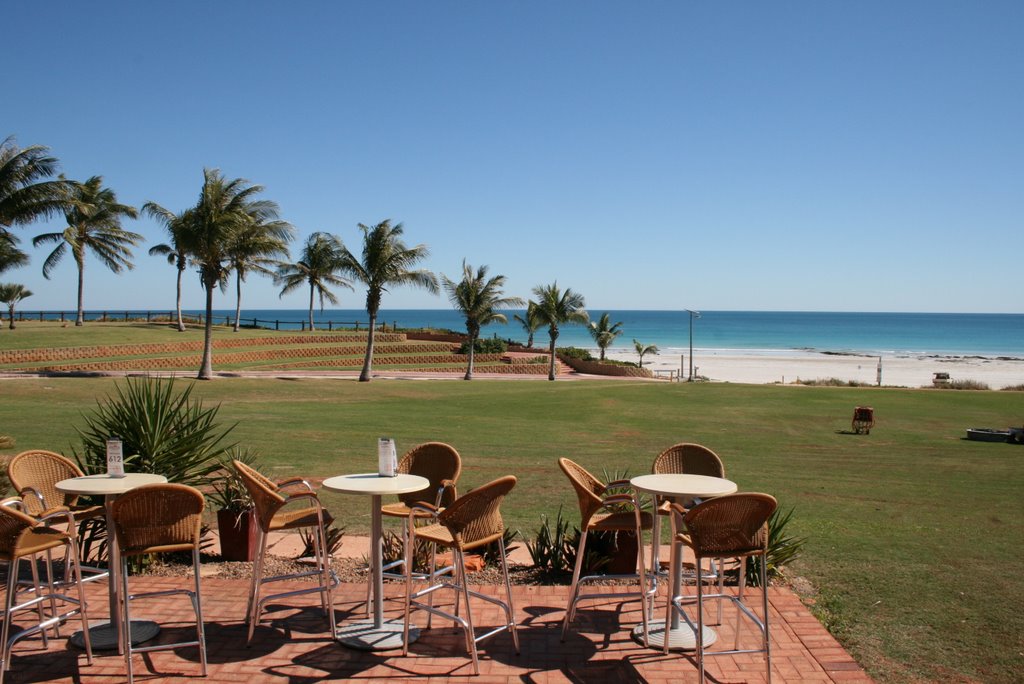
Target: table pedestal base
{"x": 366, "y": 636}
{"x": 682, "y": 638}
{"x": 103, "y": 637}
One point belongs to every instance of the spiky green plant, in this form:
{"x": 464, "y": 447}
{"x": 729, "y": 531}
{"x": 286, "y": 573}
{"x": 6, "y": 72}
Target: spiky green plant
{"x": 163, "y": 431}
{"x": 783, "y": 548}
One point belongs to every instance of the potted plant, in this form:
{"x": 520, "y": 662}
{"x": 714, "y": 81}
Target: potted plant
{"x": 236, "y": 519}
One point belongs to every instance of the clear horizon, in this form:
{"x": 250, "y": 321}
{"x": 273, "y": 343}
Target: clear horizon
{"x": 796, "y": 157}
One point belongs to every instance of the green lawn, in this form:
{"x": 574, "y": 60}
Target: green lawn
{"x": 914, "y": 533}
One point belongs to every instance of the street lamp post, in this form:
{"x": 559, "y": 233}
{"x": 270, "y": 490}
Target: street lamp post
{"x": 693, "y": 314}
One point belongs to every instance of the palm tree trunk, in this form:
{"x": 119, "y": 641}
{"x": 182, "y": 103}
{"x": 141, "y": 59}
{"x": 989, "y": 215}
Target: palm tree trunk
{"x": 551, "y": 369}
{"x": 469, "y": 364}
{"x": 206, "y": 367}
{"x": 312, "y": 289}
{"x": 181, "y": 323}
{"x": 11, "y": 312}
{"x": 238, "y": 298}
{"x": 80, "y": 318}
{"x": 364, "y": 375}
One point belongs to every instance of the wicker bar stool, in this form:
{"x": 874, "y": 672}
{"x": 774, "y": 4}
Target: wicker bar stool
{"x": 441, "y": 464}
{"x": 683, "y": 459}
{"x": 34, "y": 474}
{"x": 269, "y": 499}
{"x": 730, "y": 526}
{"x": 158, "y": 518}
{"x": 470, "y": 522}
{"x": 23, "y": 537}
{"x": 601, "y": 512}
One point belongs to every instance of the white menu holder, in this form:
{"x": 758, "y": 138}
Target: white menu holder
{"x": 115, "y": 458}
{"x": 387, "y": 457}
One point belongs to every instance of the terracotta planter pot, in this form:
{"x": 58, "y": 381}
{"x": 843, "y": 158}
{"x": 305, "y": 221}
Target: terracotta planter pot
{"x": 238, "y": 533}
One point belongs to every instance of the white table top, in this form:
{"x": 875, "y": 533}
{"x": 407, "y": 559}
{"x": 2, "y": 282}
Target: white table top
{"x": 106, "y": 485}
{"x": 376, "y": 485}
{"x": 672, "y": 484}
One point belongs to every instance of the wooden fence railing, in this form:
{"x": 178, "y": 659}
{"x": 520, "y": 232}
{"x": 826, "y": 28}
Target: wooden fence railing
{"x": 196, "y": 319}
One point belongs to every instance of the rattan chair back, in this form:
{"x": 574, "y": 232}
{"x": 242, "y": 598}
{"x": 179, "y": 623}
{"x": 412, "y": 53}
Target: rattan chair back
{"x": 41, "y": 470}
{"x": 688, "y": 459}
{"x": 730, "y": 525}
{"x": 158, "y": 518}
{"x": 438, "y": 462}
{"x": 475, "y": 518}
{"x": 265, "y": 494}
{"x": 589, "y": 489}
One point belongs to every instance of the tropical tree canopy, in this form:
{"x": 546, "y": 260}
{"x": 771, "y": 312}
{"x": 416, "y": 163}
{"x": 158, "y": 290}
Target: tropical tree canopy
{"x": 11, "y": 294}
{"x": 173, "y": 251}
{"x": 225, "y": 207}
{"x": 529, "y": 321}
{"x": 555, "y": 308}
{"x": 93, "y": 225}
{"x": 644, "y": 349}
{"x": 256, "y": 247}
{"x": 604, "y": 332}
{"x": 386, "y": 262}
{"x": 322, "y": 260}
{"x": 26, "y": 195}
{"x": 479, "y": 298}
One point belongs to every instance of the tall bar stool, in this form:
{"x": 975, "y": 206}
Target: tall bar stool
{"x": 601, "y": 512}
{"x": 470, "y": 522}
{"x": 730, "y": 526}
{"x": 158, "y": 518}
{"x": 270, "y": 499}
{"x": 441, "y": 464}
{"x": 683, "y": 459}
{"x": 34, "y": 474}
{"x": 23, "y": 537}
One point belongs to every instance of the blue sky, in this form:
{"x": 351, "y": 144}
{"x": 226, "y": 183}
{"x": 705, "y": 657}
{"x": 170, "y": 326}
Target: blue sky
{"x": 658, "y": 155}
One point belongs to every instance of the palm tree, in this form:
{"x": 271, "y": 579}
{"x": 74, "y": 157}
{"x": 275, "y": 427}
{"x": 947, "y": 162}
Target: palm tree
{"x": 24, "y": 196}
{"x": 175, "y": 225}
{"x": 604, "y": 332}
{"x": 555, "y": 308}
{"x": 255, "y": 247}
{"x": 642, "y": 349}
{"x": 321, "y": 260}
{"x": 529, "y": 321}
{"x": 94, "y": 224}
{"x": 11, "y": 294}
{"x": 386, "y": 261}
{"x": 223, "y": 209}
{"x": 10, "y": 255}
{"x": 478, "y": 298}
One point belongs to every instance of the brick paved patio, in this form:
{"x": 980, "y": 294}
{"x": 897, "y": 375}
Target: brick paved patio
{"x": 292, "y": 644}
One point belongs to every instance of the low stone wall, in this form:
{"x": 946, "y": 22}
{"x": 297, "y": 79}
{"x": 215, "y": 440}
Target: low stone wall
{"x": 595, "y": 368}
{"x": 434, "y": 337}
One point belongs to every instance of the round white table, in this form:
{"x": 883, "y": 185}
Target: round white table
{"x": 108, "y": 635}
{"x": 678, "y": 486}
{"x": 378, "y": 634}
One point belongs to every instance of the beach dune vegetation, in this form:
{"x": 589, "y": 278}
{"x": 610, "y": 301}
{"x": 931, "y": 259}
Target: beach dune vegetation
{"x": 386, "y": 261}
{"x": 94, "y": 225}
{"x": 479, "y": 299}
{"x": 556, "y": 307}
{"x": 322, "y": 260}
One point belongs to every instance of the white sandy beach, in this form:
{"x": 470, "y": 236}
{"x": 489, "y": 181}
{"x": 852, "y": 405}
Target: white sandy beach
{"x": 787, "y": 367}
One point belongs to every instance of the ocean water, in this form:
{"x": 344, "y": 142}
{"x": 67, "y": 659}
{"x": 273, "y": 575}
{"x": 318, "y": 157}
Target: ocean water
{"x": 762, "y": 331}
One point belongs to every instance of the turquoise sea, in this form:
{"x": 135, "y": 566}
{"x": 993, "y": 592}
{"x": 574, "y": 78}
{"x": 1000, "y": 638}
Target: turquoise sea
{"x": 762, "y": 331}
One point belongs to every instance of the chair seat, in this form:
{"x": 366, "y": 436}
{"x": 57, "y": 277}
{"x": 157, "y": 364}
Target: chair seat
{"x": 299, "y": 517}
{"x": 34, "y": 541}
{"x": 619, "y": 521}
{"x": 440, "y": 535}
{"x": 400, "y": 510}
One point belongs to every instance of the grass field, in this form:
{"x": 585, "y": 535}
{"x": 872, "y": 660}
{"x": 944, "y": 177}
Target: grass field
{"x": 914, "y": 533}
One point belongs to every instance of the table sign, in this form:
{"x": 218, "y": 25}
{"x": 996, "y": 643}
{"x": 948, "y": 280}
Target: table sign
{"x": 387, "y": 457}
{"x": 115, "y": 457}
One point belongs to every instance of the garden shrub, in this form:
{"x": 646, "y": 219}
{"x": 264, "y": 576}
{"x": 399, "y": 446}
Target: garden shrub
{"x": 491, "y": 345}
{"x": 575, "y": 353}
